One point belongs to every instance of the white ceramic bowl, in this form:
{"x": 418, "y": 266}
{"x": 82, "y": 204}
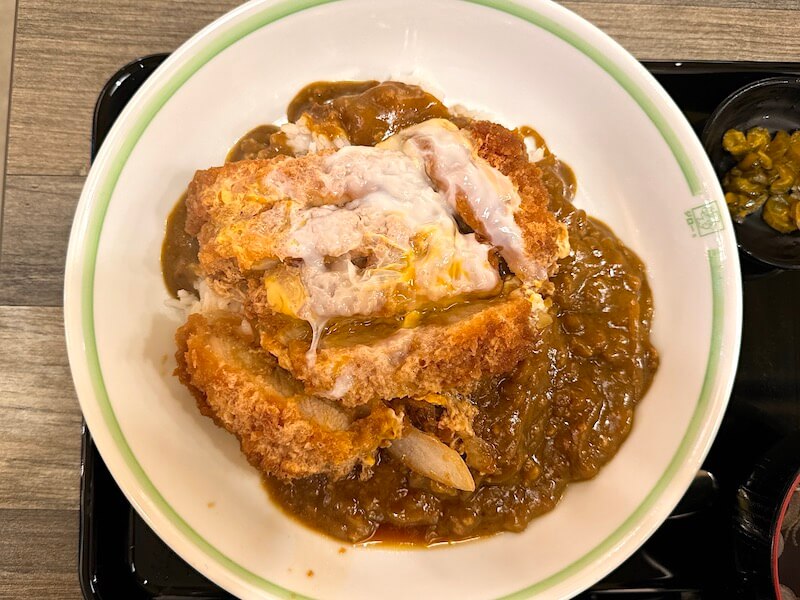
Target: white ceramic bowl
{"x": 640, "y": 168}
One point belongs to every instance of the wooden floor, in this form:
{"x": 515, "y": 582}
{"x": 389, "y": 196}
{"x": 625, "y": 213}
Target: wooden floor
{"x": 63, "y": 53}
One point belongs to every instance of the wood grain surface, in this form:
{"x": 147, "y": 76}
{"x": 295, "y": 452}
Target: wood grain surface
{"x": 64, "y": 52}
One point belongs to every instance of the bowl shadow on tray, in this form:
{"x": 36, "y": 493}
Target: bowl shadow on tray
{"x": 774, "y": 104}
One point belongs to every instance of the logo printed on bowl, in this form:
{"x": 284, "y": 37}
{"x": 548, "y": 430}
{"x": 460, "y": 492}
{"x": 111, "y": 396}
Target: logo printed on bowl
{"x": 704, "y": 219}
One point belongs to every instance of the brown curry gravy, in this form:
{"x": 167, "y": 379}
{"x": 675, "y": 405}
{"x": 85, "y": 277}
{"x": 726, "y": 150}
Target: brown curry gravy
{"x": 179, "y": 252}
{"x": 558, "y": 417}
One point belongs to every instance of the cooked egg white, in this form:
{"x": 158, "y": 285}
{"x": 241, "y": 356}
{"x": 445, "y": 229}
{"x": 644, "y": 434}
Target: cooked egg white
{"x": 391, "y": 244}
{"x": 450, "y": 160}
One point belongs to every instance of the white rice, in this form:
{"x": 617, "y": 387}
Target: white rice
{"x": 302, "y": 139}
{"x": 535, "y": 152}
{"x": 459, "y": 110}
{"x": 187, "y": 303}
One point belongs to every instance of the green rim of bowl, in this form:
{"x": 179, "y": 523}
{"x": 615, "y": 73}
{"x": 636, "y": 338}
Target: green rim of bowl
{"x": 262, "y": 18}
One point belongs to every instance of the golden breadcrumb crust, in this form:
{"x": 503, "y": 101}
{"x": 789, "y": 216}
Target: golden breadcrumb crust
{"x": 478, "y": 340}
{"x": 545, "y": 238}
{"x": 243, "y": 390}
{"x": 255, "y": 386}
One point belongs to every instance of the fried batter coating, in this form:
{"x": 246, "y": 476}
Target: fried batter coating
{"x": 545, "y": 238}
{"x": 281, "y": 430}
{"x": 473, "y": 169}
{"x": 475, "y": 341}
{"x": 239, "y": 214}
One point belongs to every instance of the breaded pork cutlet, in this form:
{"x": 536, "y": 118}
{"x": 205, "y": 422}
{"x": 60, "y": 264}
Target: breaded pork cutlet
{"x": 251, "y": 217}
{"x": 371, "y": 281}
{"x": 452, "y": 353}
{"x": 288, "y": 434}
{"x": 281, "y": 429}
{"x": 531, "y": 251}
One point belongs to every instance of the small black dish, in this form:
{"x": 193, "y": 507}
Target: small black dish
{"x": 772, "y": 103}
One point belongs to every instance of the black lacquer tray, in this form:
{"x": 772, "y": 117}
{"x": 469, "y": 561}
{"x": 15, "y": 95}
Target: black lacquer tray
{"x": 689, "y": 557}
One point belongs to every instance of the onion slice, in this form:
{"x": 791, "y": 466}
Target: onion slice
{"x": 324, "y": 414}
{"x": 430, "y": 457}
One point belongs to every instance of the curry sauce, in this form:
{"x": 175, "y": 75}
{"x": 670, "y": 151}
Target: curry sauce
{"x": 559, "y": 416}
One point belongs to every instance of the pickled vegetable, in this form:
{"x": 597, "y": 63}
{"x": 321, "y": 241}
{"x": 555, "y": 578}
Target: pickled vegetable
{"x": 766, "y": 176}
{"x": 779, "y": 214}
